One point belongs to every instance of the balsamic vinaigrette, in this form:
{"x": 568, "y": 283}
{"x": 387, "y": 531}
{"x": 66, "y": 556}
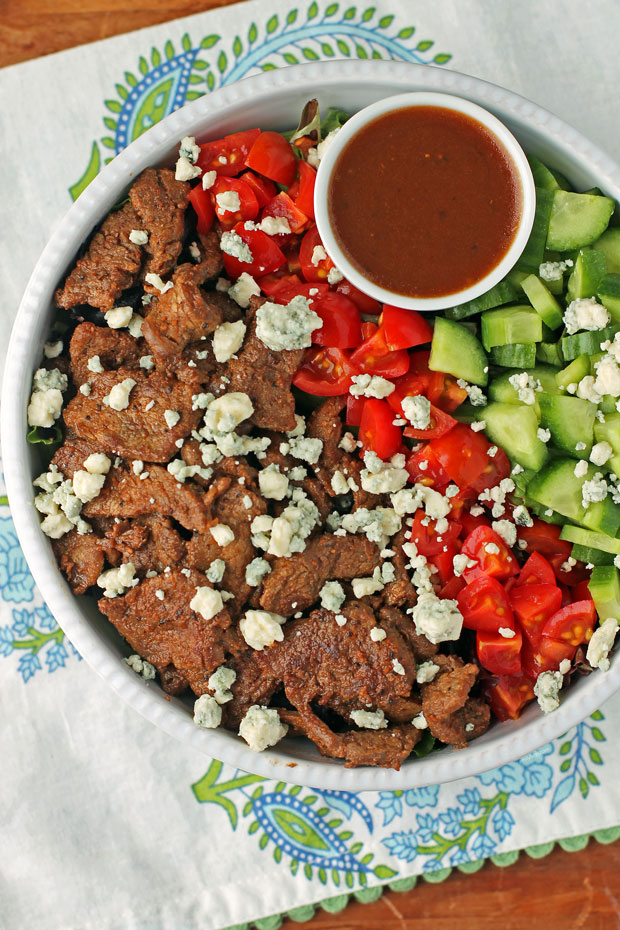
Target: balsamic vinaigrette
{"x": 424, "y": 201}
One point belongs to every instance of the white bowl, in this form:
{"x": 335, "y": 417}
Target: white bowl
{"x": 506, "y": 141}
{"x": 273, "y": 99}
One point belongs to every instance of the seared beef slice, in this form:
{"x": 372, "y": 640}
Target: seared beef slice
{"x": 115, "y": 348}
{"x": 81, "y": 559}
{"x": 167, "y": 631}
{"x": 160, "y": 202}
{"x": 452, "y": 716}
{"x": 140, "y": 431}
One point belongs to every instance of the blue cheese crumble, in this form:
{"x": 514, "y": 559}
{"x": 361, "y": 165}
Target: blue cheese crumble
{"x": 287, "y": 327}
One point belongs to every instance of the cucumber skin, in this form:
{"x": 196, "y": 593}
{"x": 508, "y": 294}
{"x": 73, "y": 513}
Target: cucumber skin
{"x": 593, "y": 556}
{"x": 543, "y": 301}
{"x": 516, "y": 355}
{"x": 549, "y": 353}
{"x": 587, "y": 343}
{"x": 502, "y": 293}
{"x": 604, "y": 586}
{"x": 586, "y": 212}
{"x": 591, "y": 539}
{"x": 534, "y": 250}
{"x": 455, "y": 350}
{"x": 609, "y": 245}
{"x": 587, "y": 274}
{"x": 505, "y": 320}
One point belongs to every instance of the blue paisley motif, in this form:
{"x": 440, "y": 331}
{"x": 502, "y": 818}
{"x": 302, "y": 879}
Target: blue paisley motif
{"x": 16, "y": 582}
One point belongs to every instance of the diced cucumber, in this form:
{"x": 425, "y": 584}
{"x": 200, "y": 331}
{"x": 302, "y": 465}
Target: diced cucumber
{"x": 507, "y": 325}
{"x": 609, "y": 295}
{"x": 514, "y": 429}
{"x": 591, "y": 556}
{"x": 543, "y": 301}
{"x": 466, "y": 413}
{"x": 514, "y": 356}
{"x": 546, "y": 513}
{"x": 577, "y": 219}
{"x": 500, "y": 388}
{"x": 609, "y": 431}
{"x": 557, "y": 286}
{"x": 456, "y": 350}
{"x": 522, "y": 479}
{"x": 515, "y": 277}
{"x": 608, "y": 404}
{"x": 609, "y": 245}
{"x": 590, "y": 539}
{"x": 587, "y": 343}
{"x": 562, "y": 180}
{"x": 587, "y": 274}
{"x": 604, "y": 587}
{"x": 556, "y": 486}
{"x": 549, "y": 353}
{"x": 534, "y": 250}
{"x": 570, "y": 420}
{"x": 543, "y": 177}
{"x": 579, "y": 368}
{"x": 502, "y": 293}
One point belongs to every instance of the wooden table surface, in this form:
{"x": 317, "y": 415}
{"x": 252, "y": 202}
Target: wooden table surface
{"x": 563, "y": 891}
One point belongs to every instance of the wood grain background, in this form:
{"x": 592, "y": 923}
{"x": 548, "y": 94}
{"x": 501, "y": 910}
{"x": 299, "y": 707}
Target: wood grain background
{"x": 563, "y": 891}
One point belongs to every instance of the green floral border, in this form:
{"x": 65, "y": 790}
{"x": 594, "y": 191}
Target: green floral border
{"x": 338, "y": 903}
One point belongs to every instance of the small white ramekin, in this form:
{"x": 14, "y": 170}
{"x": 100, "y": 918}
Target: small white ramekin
{"x": 506, "y": 141}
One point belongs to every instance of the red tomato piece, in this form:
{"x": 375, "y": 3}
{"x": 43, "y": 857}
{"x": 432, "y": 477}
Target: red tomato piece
{"x": 582, "y": 591}
{"x": 201, "y": 202}
{"x": 266, "y": 256}
{"x": 462, "y": 454}
{"x": 324, "y": 372}
{"x": 544, "y": 538}
{"x": 536, "y": 571}
{"x": 342, "y": 324}
{"x": 264, "y": 189}
{"x": 424, "y": 534}
{"x": 485, "y": 606}
{"x": 409, "y": 385}
{"x": 365, "y": 303}
{"x": 227, "y": 156}
{"x": 304, "y": 198}
{"x": 573, "y": 624}
{"x": 271, "y": 284}
{"x": 496, "y": 468}
{"x": 546, "y": 656}
{"x": 355, "y": 405}
{"x": 248, "y": 204}
{"x": 319, "y": 268}
{"x": 293, "y": 287}
{"x": 281, "y": 205}
{"x": 424, "y": 468}
{"x": 404, "y": 329}
{"x": 498, "y": 654}
{"x": 491, "y": 554}
{"x": 444, "y": 564}
{"x": 508, "y": 695}
{"x": 444, "y": 392}
{"x": 440, "y": 424}
{"x": 377, "y": 431}
{"x": 370, "y": 359}
{"x": 570, "y": 576}
{"x": 452, "y": 588}
{"x": 272, "y": 156}
{"x": 533, "y": 605}
{"x": 470, "y": 523}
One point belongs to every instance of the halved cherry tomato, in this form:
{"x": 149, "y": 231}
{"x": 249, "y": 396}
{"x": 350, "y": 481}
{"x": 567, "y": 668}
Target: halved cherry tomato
{"x": 440, "y": 424}
{"x": 325, "y": 372}
{"x": 404, "y": 329}
{"x": 499, "y": 654}
{"x": 272, "y": 156}
{"x": 536, "y": 571}
{"x": 544, "y": 538}
{"x": 570, "y": 576}
{"x": 304, "y": 198}
{"x": 374, "y": 357}
{"x": 313, "y": 266}
{"x": 485, "y": 606}
{"x": 377, "y": 431}
{"x": 285, "y": 294}
{"x": 365, "y": 303}
{"x": 264, "y": 189}
{"x": 496, "y": 468}
{"x": 355, "y": 405}
{"x": 201, "y": 202}
{"x": 342, "y": 325}
{"x": 424, "y": 468}
{"x": 266, "y": 256}
{"x": 248, "y": 204}
{"x": 409, "y": 385}
{"x": 424, "y": 534}
{"x": 573, "y": 624}
{"x": 281, "y": 205}
{"x": 227, "y": 156}
{"x": 582, "y": 591}
{"x": 452, "y": 588}
{"x": 533, "y": 605}
{"x": 271, "y": 284}
{"x": 444, "y": 392}
{"x": 462, "y": 454}
{"x": 491, "y": 554}
{"x": 508, "y": 695}
{"x": 443, "y": 562}
{"x": 469, "y": 523}
{"x": 291, "y": 251}
{"x": 546, "y": 656}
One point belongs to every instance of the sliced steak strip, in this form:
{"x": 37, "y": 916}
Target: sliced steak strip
{"x": 160, "y": 202}
{"x": 115, "y": 348}
{"x": 81, "y": 559}
{"x": 150, "y": 542}
{"x": 135, "y": 432}
{"x": 295, "y": 583}
{"x": 111, "y": 264}
{"x": 266, "y": 377}
{"x": 421, "y": 647}
{"x": 125, "y": 495}
{"x": 385, "y": 748}
{"x": 70, "y": 457}
{"x": 167, "y": 632}
{"x": 400, "y": 592}
{"x": 446, "y": 706}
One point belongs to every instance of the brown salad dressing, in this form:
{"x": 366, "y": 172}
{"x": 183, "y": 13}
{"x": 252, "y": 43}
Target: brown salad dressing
{"x": 424, "y": 201}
